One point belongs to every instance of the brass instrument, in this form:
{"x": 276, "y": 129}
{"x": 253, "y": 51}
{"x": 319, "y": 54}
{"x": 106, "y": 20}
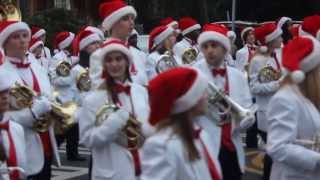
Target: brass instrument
{"x": 63, "y": 68}
{"x": 219, "y": 99}
{"x": 189, "y": 55}
{"x": 61, "y": 115}
{"x": 83, "y": 81}
{"x": 131, "y": 135}
{"x": 9, "y": 12}
{"x": 268, "y": 74}
{"x": 313, "y": 145}
{"x": 166, "y": 62}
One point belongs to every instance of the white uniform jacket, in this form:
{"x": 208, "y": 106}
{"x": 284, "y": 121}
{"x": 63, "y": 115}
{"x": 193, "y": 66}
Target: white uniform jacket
{"x": 292, "y": 117}
{"x": 262, "y": 91}
{"x": 110, "y": 160}
{"x": 34, "y": 149}
{"x": 139, "y": 61}
{"x": 164, "y": 157}
{"x": 239, "y": 92}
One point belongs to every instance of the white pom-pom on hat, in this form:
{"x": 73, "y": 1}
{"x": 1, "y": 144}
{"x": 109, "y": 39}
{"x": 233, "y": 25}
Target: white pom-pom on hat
{"x": 297, "y": 76}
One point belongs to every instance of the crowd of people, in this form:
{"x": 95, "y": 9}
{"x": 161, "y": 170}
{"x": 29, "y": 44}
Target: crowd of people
{"x": 157, "y": 115}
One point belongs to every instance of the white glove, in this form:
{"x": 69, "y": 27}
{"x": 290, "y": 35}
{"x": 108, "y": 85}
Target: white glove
{"x": 247, "y": 122}
{"x": 40, "y": 106}
{"x": 117, "y": 119}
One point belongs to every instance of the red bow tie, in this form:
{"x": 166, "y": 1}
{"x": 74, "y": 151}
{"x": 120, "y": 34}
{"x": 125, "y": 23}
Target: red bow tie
{"x": 196, "y": 133}
{"x": 119, "y": 88}
{"x": 4, "y": 126}
{"x": 221, "y": 72}
{"x": 21, "y": 65}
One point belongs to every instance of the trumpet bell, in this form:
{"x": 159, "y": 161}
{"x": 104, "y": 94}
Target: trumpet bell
{"x": 189, "y": 55}
{"x": 84, "y": 82}
{"x": 9, "y": 12}
{"x": 165, "y": 62}
{"x": 268, "y": 74}
{"x": 63, "y": 68}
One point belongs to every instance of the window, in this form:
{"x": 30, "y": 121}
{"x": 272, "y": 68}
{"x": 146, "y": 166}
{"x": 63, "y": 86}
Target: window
{"x": 62, "y": 4}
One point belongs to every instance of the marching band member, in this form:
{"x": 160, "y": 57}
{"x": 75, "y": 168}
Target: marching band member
{"x": 179, "y": 149}
{"x": 285, "y": 24}
{"x": 293, "y": 114}
{"x": 229, "y": 59}
{"x": 36, "y": 48}
{"x": 161, "y": 41}
{"x": 40, "y": 33}
{"x": 245, "y": 54}
{"x": 12, "y": 142}
{"x": 190, "y": 29}
{"x": 111, "y": 158}
{"x": 214, "y": 45}
{"x": 118, "y": 21}
{"x": 263, "y": 86}
{"x": 62, "y": 44}
{"x": 311, "y": 26}
{"x": 41, "y": 148}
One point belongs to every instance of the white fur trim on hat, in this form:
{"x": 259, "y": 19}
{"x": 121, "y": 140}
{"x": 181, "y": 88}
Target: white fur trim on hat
{"x": 173, "y": 23}
{"x": 115, "y": 47}
{"x": 214, "y": 36}
{"x": 39, "y": 33}
{"x": 297, "y": 76}
{"x": 190, "y": 99}
{"x": 13, "y": 28}
{"x": 88, "y": 40}
{"x": 273, "y": 35}
{"x": 245, "y": 30}
{"x": 283, "y": 20}
{"x": 312, "y": 60}
{"x": 162, "y": 36}
{"x": 35, "y": 45}
{"x": 191, "y": 28}
{"x": 96, "y": 30}
{"x": 67, "y": 42}
{"x": 109, "y": 21}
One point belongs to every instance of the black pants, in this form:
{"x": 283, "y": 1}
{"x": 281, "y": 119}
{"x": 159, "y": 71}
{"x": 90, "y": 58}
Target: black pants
{"x": 229, "y": 164}
{"x": 267, "y": 161}
{"x": 252, "y": 136}
{"x": 72, "y": 138}
{"x": 45, "y": 173}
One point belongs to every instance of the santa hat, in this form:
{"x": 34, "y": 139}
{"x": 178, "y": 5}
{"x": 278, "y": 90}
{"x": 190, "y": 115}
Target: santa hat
{"x": 63, "y": 40}
{"x": 183, "y": 87}
{"x": 215, "y": 32}
{"x": 300, "y": 56}
{"x": 169, "y": 21}
{"x": 95, "y": 30}
{"x": 232, "y": 34}
{"x": 9, "y": 27}
{"x": 34, "y": 43}
{"x": 158, "y": 35}
{"x": 37, "y": 32}
{"x": 295, "y": 30}
{"x": 188, "y": 24}
{"x": 267, "y": 33}
{"x": 112, "y": 11}
{"x": 281, "y": 21}
{"x": 244, "y": 33}
{"x": 6, "y": 81}
{"x": 83, "y": 39}
{"x": 311, "y": 26}
{"x": 134, "y": 32}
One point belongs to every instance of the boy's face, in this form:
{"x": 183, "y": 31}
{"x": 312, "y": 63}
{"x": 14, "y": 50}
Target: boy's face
{"x": 214, "y": 52}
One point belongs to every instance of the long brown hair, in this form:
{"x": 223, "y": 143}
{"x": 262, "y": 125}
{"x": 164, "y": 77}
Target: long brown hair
{"x": 182, "y": 126}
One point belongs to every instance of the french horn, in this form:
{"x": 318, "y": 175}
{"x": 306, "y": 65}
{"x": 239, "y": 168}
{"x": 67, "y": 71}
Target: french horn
{"x": 268, "y": 74}
{"x": 83, "y": 81}
{"x": 189, "y": 55}
{"x": 63, "y": 68}
{"x": 131, "y": 135}
{"x": 60, "y": 115}
{"x": 165, "y": 62}
{"x": 228, "y": 106}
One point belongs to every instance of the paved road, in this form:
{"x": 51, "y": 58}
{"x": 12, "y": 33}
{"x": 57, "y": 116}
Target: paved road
{"x": 79, "y": 171}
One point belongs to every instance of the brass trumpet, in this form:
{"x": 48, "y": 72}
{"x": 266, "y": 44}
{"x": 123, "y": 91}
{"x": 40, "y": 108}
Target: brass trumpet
{"x": 63, "y": 68}
{"x": 268, "y": 74}
{"x": 9, "y": 12}
{"x": 166, "y": 62}
{"x": 83, "y": 81}
{"x": 131, "y": 135}
{"x": 189, "y": 55}
{"x": 61, "y": 115}
{"x": 219, "y": 99}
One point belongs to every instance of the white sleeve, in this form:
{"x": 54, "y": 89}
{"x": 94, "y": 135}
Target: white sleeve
{"x": 283, "y": 120}
{"x": 157, "y": 162}
{"x": 24, "y": 117}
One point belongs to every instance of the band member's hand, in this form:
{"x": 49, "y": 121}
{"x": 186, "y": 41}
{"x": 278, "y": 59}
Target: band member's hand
{"x": 40, "y": 106}
{"x": 118, "y": 119}
{"x": 247, "y": 122}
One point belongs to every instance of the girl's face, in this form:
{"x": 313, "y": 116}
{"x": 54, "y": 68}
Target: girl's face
{"x": 170, "y": 42}
{"x": 116, "y": 65}
{"x": 92, "y": 47}
{"x": 38, "y": 51}
{"x": 17, "y": 43}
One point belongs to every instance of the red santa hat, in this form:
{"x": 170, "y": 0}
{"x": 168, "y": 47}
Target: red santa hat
{"x": 63, "y": 40}
{"x": 112, "y": 11}
{"x": 300, "y": 56}
{"x": 188, "y": 24}
{"x": 169, "y": 21}
{"x": 244, "y": 32}
{"x": 311, "y": 26}
{"x": 215, "y": 32}
{"x": 267, "y": 33}
{"x": 9, "y": 27}
{"x": 95, "y": 30}
{"x": 158, "y": 35}
{"x": 281, "y": 21}
{"x": 183, "y": 87}
{"x": 37, "y": 32}
{"x": 295, "y": 30}
{"x": 34, "y": 43}
{"x": 83, "y": 39}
